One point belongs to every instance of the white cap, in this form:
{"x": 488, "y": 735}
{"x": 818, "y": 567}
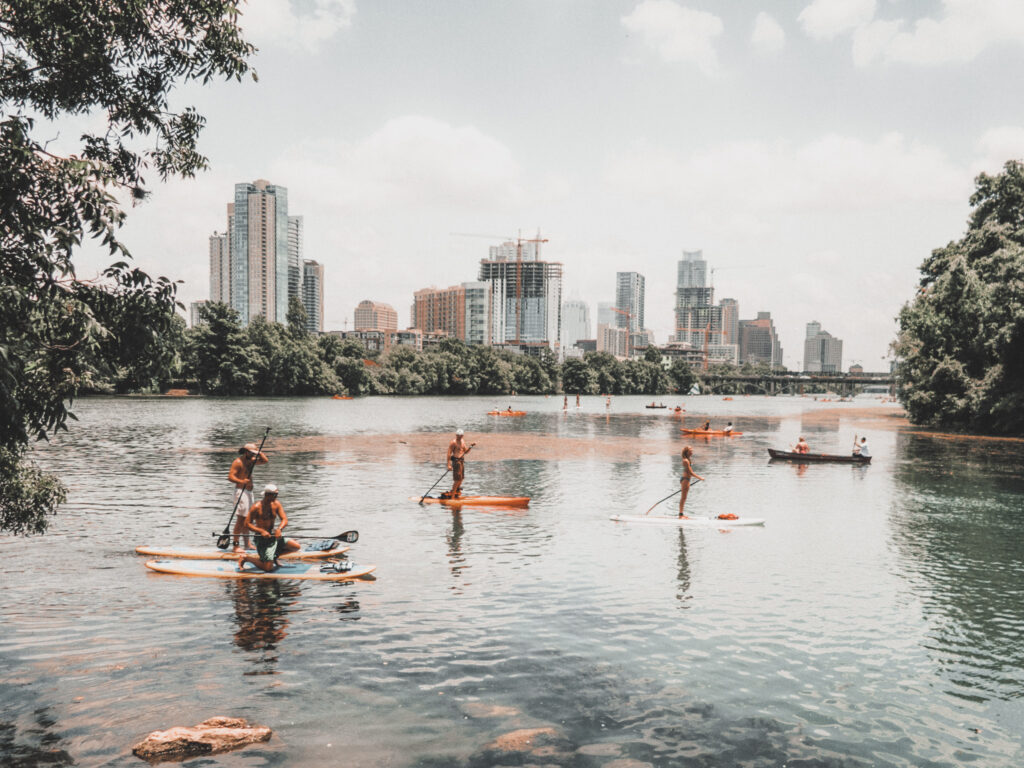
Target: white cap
{"x": 459, "y": 432}
{"x": 271, "y": 488}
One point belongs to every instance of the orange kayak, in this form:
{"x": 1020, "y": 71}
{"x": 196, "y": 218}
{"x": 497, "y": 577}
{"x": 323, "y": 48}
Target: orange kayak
{"x": 506, "y": 413}
{"x": 478, "y": 501}
{"x": 340, "y": 397}
{"x": 710, "y": 432}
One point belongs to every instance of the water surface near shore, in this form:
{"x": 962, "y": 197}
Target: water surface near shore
{"x": 874, "y": 620}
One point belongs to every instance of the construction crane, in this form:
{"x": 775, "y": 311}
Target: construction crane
{"x": 706, "y": 330}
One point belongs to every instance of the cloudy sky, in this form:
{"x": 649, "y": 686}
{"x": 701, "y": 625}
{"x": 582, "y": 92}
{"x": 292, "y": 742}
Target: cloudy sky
{"x": 816, "y": 151}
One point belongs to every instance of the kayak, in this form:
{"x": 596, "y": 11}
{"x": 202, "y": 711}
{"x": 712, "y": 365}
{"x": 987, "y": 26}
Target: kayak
{"x": 341, "y": 397}
{"x": 293, "y": 570}
{"x": 808, "y": 457}
{"x": 696, "y": 522}
{"x": 710, "y": 432}
{"x": 506, "y": 413}
{"x": 478, "y": 501}
{"x": 211, "y": 553}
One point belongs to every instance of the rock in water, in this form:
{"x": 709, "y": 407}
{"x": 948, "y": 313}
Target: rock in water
{"x": 218, "y": 734}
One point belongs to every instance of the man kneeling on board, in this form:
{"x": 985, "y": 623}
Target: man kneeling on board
{"x": 270, "y": 544}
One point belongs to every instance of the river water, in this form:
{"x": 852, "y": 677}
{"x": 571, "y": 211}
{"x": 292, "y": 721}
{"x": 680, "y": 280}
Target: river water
{"x": 875, "y": 620}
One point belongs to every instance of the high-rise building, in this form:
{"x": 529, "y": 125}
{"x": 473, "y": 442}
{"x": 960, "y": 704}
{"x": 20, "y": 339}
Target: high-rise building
{"x": 730, "y": 321}
{"x": 629, "y": 300}
{"x": 605, "y": 314}
{"x": 258, "y": 242}
{"x": 313, "y": 294}
{"x": 526, "y": 295}
{"x": 193, "y": 314}
{"x": 220, "y": 268}
{"x": 296, "y": 266}
{"x": 613, "y": 340}
{"x": 575, "y": 322}
{"x": 823, "y": 353}
{"x": 460, "y": 311}
{"x": 759, "y": 343}
{"x": 698, "y": 320}
{"x": 375, "y": 316}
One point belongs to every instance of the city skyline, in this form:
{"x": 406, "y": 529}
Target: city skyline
{"x": 795, "y": 143}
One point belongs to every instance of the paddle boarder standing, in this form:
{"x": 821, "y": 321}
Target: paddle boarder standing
{"x": 684, "y": 481}
{"x": 241, "y": 475}
{"x": 457, "y": 450}
{"x": 270, "y": 544}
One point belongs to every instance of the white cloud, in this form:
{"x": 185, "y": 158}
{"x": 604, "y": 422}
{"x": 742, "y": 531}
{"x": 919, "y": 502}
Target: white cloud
{"x": 291, "y": 24}
{"x": 997, "y": 145}
{"x": 826, "y": 19}
{"x": 676, "y": 33}
{"x": 768, "y": 36}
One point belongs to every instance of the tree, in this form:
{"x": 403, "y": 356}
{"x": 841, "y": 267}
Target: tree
{"x": 960, "y": 346}
{"x": 681, "y": 376}
{"x": 59, "y": 58}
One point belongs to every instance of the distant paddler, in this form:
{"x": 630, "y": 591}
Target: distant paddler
{"x": 266, "y": 519}
{"x": 457, "y": 450}
{"x": 686, "y": 479}
{"x": 241, "y": 475}
{"x": 861, "y": 448}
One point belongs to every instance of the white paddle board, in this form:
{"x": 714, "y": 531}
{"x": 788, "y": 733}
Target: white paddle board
{"x": 212, "y": 553}
{"x": 697, "y": 522}
{"x": 308, "y": 571}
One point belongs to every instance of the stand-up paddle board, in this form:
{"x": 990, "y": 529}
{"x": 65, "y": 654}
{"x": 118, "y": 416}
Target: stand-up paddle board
{"x": 478, "y": 501}
{"x": 211, "y": 553}
{"x": 702, "y": 522}
{"x": 293, "y": 570}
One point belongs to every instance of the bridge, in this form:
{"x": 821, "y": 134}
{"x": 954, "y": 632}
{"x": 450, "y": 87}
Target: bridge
{"x": 795, "y": 384}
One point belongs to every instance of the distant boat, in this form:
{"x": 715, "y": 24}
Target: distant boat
{"x": 819, "y": 457}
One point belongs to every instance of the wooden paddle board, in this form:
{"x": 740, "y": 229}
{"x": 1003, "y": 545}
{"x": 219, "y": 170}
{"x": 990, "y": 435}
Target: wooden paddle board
{"x": 696, "y": 522}
{"x": 307, "y": 571}
{"x": 212, "y": 553}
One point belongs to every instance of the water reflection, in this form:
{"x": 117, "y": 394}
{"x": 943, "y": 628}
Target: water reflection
{"x": 261, "y": 618}
{"x": 456, "y": 558}
{"x": 682, "y": 570}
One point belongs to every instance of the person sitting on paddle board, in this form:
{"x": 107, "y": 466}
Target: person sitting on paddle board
{"x": 457, "y": 450}
{"x": 801, "y": 446}
{"x": 270, "y": 544}
{"x": 241, "y": 475}
{"x": 861, "y": 448}
{"x": 684, "y": 481}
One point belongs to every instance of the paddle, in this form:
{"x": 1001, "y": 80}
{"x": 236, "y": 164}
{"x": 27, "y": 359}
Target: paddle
{"x": 433, "y": 486}
{"x": 349, "y": 537}
{"x": 692, "y": 483}
{"x": 225, "y": 538}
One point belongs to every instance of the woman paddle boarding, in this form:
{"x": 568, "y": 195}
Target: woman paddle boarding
{"x": 686, "y": 479}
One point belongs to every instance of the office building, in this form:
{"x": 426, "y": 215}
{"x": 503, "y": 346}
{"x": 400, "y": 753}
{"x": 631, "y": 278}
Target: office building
{"x": 823, "y": 353}
{"x": 258, "y": 243}
{"x": 730, "y": 321}
{"x": 698, "y": 320}
{"x": 220, "y": 268}
{"x": 605, "y": 313}
{"x": 296, "y": 265}
{"x": 613, "y": 340}
{"x": 629, "y": 300}
{"x": 575, "y": 322}
{"x": 759, "y": 343}
{"x": 375, "y": 316}
{"x": 193, "y": 312}
{"x": 313, "y": 294}
{"x": 526, "y": 295}
{"x": 459, "y": 311}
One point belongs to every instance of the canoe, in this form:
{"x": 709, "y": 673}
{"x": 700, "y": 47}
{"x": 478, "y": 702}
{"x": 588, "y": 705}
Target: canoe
{"x": 687, "y": 522}
{"x": 478, "y": 501}
{"x": 822, "y": 457}
{"x": 341, "y": 397}
{"x": 212, "y": 553}
{"x": 506, "y": 413}
{"x": 710, "y": 432}
{"x": 216, "y": 569}
{"x": 655, "y": 406}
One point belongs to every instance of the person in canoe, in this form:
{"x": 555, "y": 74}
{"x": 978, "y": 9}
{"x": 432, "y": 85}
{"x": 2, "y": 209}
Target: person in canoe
{"x": 706, "y": 427}
{"x": 728, "y": 428}
{"x": 801, "y": 446}
{"x": 861, "y": 448}
{"x": 266, "y": 519}
{"x": 686, "y": 479}
{"x": 457, "y": 450}
{"x": 241, "y": 475}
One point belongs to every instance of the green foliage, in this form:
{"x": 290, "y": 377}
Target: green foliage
{"x": 58, "y": 334}
{"x": 578, "y": 377}
{"x": 961, "y": 340}
{"x": 681, "y": 376}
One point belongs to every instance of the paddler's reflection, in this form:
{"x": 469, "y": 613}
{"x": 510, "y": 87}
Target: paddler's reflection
{"x": 683, "y": 571}
{"x": 261, "y": 615}
{"x": 454, "y": 537}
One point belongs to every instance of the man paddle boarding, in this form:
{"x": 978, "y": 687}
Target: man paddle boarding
{"x": 270, "y": 544}
{"x": 457, "y": 450}
{"x": 241, "y": 475}
{"x": 686, "y": 479}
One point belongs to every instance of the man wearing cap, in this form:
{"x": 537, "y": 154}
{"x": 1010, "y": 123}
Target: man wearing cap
{"x": 457, "y": 450}
{"x": 262, "y": 519}
{"x": 241, "y": 475}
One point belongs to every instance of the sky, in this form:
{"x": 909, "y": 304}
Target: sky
{"x": 816, "y": 151}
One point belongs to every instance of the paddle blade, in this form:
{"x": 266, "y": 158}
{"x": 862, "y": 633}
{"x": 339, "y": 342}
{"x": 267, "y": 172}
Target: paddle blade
{"x": 223, "y": 541}
{"x": 349, "y": 537}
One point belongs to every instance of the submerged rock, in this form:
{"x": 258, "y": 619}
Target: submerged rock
{"x": 218, "y": 734}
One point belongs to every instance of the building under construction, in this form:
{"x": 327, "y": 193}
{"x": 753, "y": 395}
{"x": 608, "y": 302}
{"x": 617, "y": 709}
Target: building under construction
{"x": 526, "y": 295}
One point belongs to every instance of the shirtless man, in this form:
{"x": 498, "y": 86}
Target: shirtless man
{"x": 457, "y": 450}
{"x": 801, "y": 446}
{"x": 241, "y": 475}
{"x": 270, "y": 545}
{"x": 686, "y": 479}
